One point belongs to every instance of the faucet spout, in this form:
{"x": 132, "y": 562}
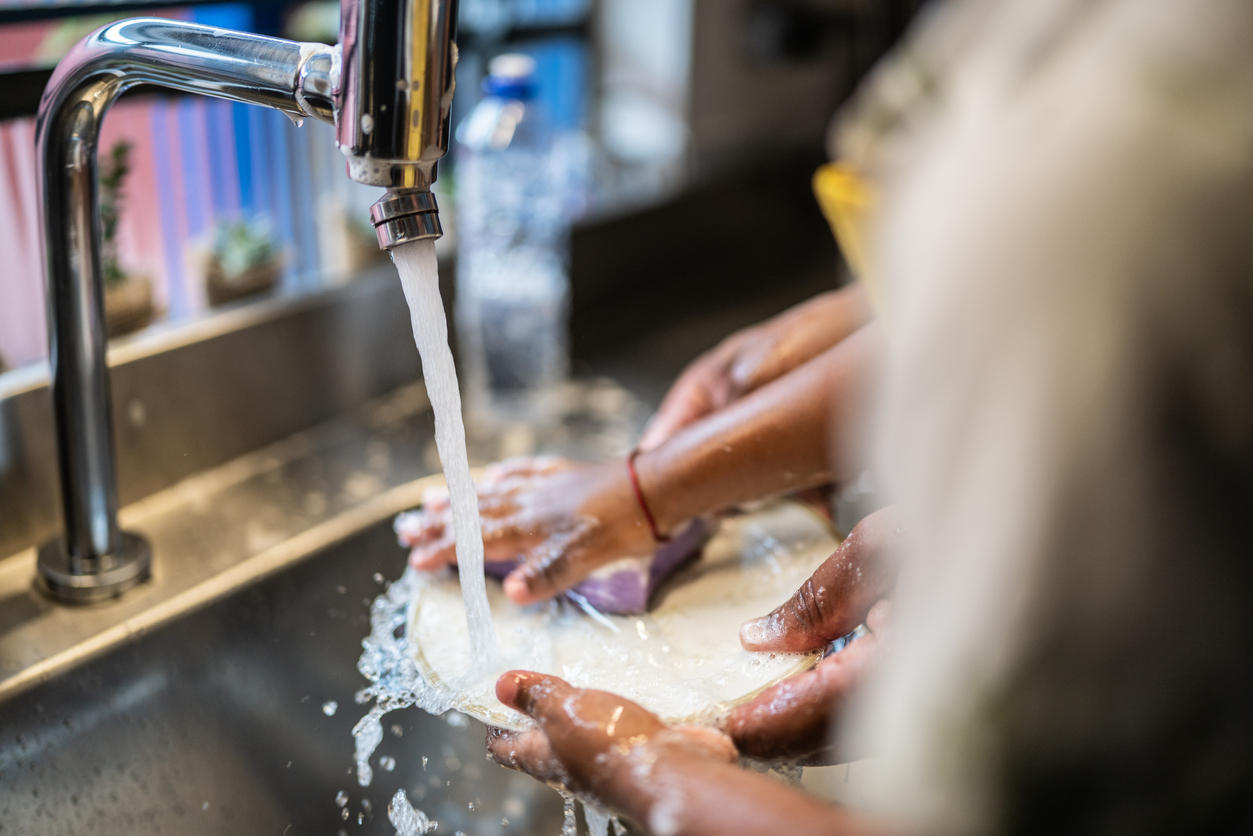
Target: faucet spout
{"x": 399, "y": 74}
{"x": 95, "y": 559}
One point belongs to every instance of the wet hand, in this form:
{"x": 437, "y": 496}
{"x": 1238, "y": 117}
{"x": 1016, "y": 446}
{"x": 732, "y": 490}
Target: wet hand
{"x": 595, "y": 743}
{"x": 559, "y": 519}
{"x": 794, "y": 719}
{"x": 837, "y": 596}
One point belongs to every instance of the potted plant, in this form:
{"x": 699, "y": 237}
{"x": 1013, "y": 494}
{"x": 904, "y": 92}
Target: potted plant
{"x": 127, "y": 299}
{"x": 243, "y": 260}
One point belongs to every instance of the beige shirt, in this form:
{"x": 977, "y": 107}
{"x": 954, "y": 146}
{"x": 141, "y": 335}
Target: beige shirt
{"x": 1066, "y": 242}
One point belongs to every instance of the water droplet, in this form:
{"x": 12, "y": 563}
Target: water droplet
{"x": 378, "y": 578}
{"x": 452, "y": 764}
{"x": 342, "y": 590}
{"x": 367, "y": 124}
{"x": 360, "y": 818}
{"x": 457, "y": 720}
{"x": 387, "y": 762}
{"x": 406, "y": 820}
{"x": 504, "y": 822}
{"x": 341, "y": 799}
{"x": 367, "y": 805}
{"x": 330, "y": 707}
{"x": 345, "y": 814}
{"x": 424, "y": 759}
{"x": 204, "y": 806}
{"x": 398, "y": 730}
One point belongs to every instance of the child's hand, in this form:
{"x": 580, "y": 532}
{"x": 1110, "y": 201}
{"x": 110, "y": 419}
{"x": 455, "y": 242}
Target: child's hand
{"x": 562, "y": 519}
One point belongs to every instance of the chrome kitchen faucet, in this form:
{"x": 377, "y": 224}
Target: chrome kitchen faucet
{"x": 387, "y": 87}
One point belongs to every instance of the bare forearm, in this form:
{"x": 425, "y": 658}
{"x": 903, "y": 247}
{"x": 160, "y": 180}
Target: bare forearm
{"x": 791, "y": 434}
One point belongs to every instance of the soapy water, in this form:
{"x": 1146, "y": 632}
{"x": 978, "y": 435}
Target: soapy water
{"x": 682, "y": 660}
{"x": 419, "y": 276}
{"x": 673, "y": 647}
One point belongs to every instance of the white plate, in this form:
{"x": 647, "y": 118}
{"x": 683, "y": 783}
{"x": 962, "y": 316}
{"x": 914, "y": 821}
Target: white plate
{"x": 682, "y": 660}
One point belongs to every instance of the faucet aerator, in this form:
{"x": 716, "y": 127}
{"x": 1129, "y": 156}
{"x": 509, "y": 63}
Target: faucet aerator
{"x": 405, "y": 215}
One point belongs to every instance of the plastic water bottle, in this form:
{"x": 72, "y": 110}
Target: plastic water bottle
{"x": 514, "y": 240}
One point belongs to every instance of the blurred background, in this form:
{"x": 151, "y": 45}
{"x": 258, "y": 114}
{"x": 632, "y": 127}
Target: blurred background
{"x": 712, "y": 109}
{"x": 247, "y": 299}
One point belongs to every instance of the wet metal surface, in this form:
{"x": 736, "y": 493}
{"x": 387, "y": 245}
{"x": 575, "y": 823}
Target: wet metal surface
{"x": 217, "y": 723}
{"x": 221, "y": 530}
{"x": 201, "y": 702}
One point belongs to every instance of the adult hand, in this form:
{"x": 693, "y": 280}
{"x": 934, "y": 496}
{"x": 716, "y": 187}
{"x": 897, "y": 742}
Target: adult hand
{"x": 794, "y": 718}
{"x": 677, "y": 781}
{"x": 562, "y": 519}
{"x": 752, "y": 357}
{"x": 596, "y": 743}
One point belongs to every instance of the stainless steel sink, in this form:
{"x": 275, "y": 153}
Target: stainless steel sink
{"x": 220, "y": 722}
{"x": 264, "y": 453}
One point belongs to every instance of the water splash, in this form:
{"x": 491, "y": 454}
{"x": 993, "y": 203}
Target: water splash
{"x": 569, "y": 825}
{"x": 387, "y": 663}
{"x": 368, "y": 734}
{"x": 407, "y": 820}
{"x": 597, "y": 820}
{"x": 420, "y": 278}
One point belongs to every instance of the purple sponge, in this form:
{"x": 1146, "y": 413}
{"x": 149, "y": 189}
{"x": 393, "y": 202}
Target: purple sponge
{"x": 624, "y": 586}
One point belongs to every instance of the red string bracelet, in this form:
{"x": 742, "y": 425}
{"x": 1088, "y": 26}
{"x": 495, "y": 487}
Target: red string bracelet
{"x": 639, "y": 497}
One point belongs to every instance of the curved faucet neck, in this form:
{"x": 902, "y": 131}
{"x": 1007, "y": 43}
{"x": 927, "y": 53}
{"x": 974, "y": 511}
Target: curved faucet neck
{"x": 95, "y": 558}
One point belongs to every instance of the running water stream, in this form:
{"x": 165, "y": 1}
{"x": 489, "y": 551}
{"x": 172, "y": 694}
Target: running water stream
{"x": 419, "y": 276}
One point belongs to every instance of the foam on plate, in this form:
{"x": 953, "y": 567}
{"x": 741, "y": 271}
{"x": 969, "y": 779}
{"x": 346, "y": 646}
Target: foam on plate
{"x": 682, "y": 659}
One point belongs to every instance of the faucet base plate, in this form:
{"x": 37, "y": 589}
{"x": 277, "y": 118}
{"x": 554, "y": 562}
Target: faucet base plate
{"x": 110, "y": 576}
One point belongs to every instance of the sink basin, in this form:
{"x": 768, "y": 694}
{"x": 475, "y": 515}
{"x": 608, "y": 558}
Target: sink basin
{"x": 236, "y": 718}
